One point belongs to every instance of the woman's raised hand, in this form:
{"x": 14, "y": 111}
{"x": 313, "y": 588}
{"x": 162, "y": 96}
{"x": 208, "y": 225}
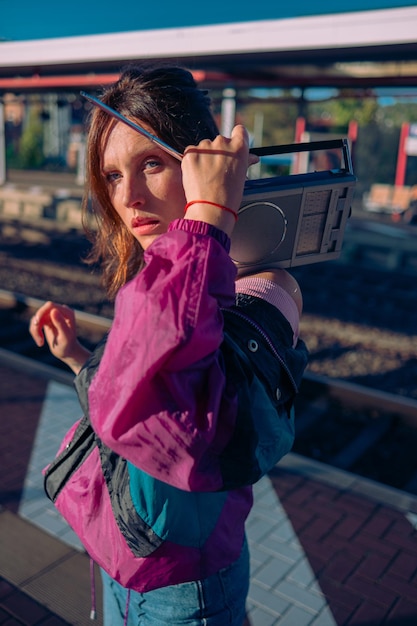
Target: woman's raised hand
{"x": 215, "y": 172}
{"x": 56, "y": 323}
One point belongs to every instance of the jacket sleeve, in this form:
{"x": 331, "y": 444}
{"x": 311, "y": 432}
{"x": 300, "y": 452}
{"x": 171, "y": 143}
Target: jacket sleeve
{"x": 160, "y": 386}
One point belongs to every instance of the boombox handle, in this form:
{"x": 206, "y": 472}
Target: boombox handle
{"x": 311, "y": 146}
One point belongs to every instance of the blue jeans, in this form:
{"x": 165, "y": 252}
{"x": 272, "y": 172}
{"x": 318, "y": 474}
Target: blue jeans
{"x": 215, "y": 601}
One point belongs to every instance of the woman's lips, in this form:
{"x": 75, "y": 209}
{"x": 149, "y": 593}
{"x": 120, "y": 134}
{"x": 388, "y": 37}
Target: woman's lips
{"x": 144, "y": 225}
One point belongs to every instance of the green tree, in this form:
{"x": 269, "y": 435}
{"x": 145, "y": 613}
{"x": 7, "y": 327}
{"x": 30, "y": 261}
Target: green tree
{"x": 375, "y": 155}
{"x": 278, "y": 118}
{"x": 375, "y": 152}
{"x": 339, "y": 112}
{"x": 376, "y": 149}
{"x": 31, "y": 142}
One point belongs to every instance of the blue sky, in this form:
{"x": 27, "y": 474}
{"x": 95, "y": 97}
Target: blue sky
{"x": 27, "y": 19}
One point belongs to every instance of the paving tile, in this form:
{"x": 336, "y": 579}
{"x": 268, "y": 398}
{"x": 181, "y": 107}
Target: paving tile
{"x": 50, "y": 522}
{"x": 6, "y": 588}
{"x": 368, "y": 613}
{"x": 374, "y": 566}
{"x": 403, "y": 536}
{"x": 296, "y": 617}
{"x": 299, "y": 596}
{"x": 44, "y": 582}
{"x": 370, "y": 590}
{"x": 52, "y": 620}
{"x": 32, "y": 505}
{"x": 271, "y": 515}
{"x": 67, "y": 535}
{"x": 404, "y": 566}
{"x": 338, "y": 595}
{"x": 403, "y": 612}
{"x": 319, "y": 528}
{"x": 372, "y": 544}
{"x": 59, "y": 411}
{"x": 260, "y": 617}
{"x": 283, "y": 531}
{"x": 272, "y": 573}
{"x": 23, "y": 608}
{"x": 342, "y": 615}
{"x": 302, "y": 574}
{"x": 66, "y": 590}
{"x": 17, "y": 608}
{"x": 258, "y": 556}
{"x": 274, "y": 547}
{"x": 349, "y": 526}
{"x": 401, "y": 587}
{"x": 343, "y": 565}
{"x": 20, "y": 415}
{"x": 258, "y": 529}
{"x": 262, "y": 597}
{"x": 324, "y": 618}
{"x": 300, "y": 516}
{"x": 36, "y": 551}
{"x": 265, "y": 500}
{"x": 378, "y": 523}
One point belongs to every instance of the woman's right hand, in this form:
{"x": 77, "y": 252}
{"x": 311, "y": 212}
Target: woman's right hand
{"x": 56, "y": 323}
{"x": 215, "y": 171}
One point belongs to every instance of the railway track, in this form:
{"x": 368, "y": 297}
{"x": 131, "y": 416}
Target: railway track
{"x": 354, "y": 427}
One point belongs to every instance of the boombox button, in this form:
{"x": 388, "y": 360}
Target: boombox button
{"x": 253, "y": 345}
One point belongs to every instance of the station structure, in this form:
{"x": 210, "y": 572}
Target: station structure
{"x": 340, "y": 47}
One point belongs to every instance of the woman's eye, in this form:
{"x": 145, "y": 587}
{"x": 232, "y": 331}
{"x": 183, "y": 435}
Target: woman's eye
{"x": 111, "y": 177}
{"x": 151, "y": 163}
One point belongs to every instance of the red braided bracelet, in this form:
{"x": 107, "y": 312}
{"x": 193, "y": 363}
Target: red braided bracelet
{"x": 219, "y": 206}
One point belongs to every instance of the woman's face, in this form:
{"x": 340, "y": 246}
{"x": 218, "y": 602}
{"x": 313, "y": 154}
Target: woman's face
{"x": 144, "y": 183}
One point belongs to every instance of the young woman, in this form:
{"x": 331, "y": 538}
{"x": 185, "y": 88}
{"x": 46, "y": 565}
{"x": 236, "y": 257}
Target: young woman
{"x": 171, "y": 389}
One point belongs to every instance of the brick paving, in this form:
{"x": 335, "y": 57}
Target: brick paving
{"x": 327, "y": 547}
{"x": 362, "y": 552}
{"x": 22, "y": 398}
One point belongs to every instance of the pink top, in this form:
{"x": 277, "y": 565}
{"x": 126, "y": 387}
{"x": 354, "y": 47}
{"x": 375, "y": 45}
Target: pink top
{"x": 274, "y": 294}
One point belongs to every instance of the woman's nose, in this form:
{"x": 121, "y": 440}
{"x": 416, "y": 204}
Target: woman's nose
{"x": 133, "y": 192}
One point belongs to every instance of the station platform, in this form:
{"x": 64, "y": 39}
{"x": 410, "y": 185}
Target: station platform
{"x": 328, "y": 548}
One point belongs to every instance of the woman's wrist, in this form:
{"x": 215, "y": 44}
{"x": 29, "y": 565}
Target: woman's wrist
{"x": 210, "y": 203}
{"x": 217, "y": 215}
{"x": 77, "y": 359}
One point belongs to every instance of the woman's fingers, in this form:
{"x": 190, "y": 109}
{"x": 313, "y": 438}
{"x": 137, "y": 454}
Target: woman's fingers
{"x": 38, "y": 322}
{"x": 63, "y": 322}
{"x": 239, "y": 132}
{"x": 49, "y": 321}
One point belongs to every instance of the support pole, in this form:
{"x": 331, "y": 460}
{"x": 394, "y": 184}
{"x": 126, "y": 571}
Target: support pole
{"x": 228, "y": 111}
{"x": 402, "y": 156}
{"x": 2, "y": 146}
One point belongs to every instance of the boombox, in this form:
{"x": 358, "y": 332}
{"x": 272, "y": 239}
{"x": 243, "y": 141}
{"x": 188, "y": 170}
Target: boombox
{"x": 297, "y": 219}
{"x": 284, "y": 221}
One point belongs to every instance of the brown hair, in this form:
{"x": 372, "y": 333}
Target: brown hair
{"x": 168, "y": 100}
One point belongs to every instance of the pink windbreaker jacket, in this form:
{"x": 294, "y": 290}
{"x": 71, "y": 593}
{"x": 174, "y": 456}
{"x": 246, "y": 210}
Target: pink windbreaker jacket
{"x": 184, "y": 416}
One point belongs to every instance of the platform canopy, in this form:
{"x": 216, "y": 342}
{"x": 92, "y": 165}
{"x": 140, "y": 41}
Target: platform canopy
{"x": 360, "y": 43}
